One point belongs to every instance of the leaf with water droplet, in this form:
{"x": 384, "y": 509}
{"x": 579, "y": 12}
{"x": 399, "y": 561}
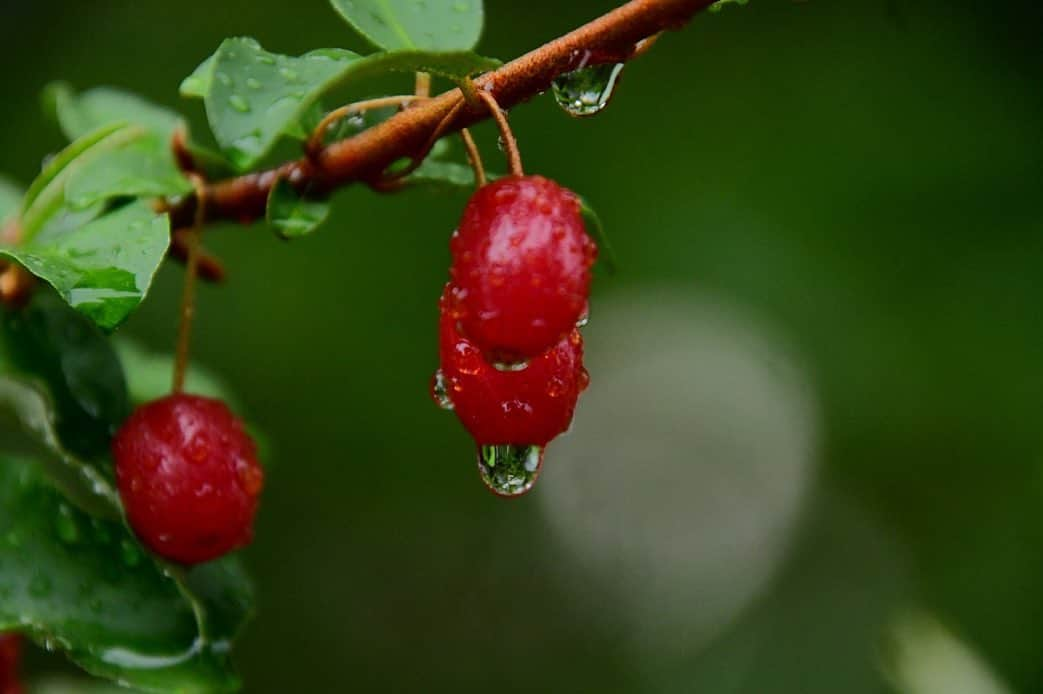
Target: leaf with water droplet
{"x": 292, "y": 215}
{"x": 247, "y": 120}
{"x": 115, "y": 611}
{"x": 104, "y": 268}
{"x": 587, "y": 91}
{"x": 509, "y": 470}
{"x": 434, "y": 25}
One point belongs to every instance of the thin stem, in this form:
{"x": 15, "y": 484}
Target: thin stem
{"x": 510, "y": 144}
{"x": 315, "y": 141}
{"x": 474, "y": 156}
{"x": 188, "y": 292}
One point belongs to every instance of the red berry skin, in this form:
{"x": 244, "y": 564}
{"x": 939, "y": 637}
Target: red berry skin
{"x": 521, "y": 267}
{"x": 530, "y": 406}
{"x": 188, "y": 475}
{"x": 10, "y": 651}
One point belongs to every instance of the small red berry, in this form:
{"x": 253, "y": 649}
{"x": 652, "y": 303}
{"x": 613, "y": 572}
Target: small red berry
{"x": 10, "y": 652}
{"x": 188, "y": 475}
{"x": 521, "y": 267}
{"x": 525, "y": 406}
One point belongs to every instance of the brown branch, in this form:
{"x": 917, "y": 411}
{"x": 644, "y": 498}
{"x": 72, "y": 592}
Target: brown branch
{"x": 609, "y": 38}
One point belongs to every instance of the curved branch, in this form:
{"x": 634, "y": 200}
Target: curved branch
{"x": 609, "y": 38}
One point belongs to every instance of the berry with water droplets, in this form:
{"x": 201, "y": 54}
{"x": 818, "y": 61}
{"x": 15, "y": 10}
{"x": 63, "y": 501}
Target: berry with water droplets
{"x": 522, "y": 407}
{"x": 521, "y": 267}
{"x": 189, "y": 478}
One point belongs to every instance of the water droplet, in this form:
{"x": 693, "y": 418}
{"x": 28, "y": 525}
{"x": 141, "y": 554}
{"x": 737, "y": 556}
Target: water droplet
{"x": 509, "y": 470}
{"x": 265, "y": 59}
{"x": 584, "y": 378}
{"x": 288, "y": 74}
{"x": 253, "y": 83}
{"x": 468, "y": 358}
{"x": 239, "y": 103}
{"x": 224, "y": 79}
{"x": 556, "y": 387}
{"x": 440, "y": 391}
{"x": 66, "y": 526}
{"x": 587, "y": 91}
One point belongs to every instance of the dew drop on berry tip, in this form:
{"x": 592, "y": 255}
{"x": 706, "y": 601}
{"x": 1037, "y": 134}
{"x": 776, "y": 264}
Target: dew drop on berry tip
{"x": 509, "y": 470}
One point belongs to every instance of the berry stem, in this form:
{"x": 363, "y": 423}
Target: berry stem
{"x": 475, "y": 157}
{"x": 510, "y": 143}
{"x": 315, "y": 142}
{"x": 188, "y": 291}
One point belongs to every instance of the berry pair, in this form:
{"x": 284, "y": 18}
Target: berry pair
{"x": 511, "y": 355}
{"x": 188, "y": 476}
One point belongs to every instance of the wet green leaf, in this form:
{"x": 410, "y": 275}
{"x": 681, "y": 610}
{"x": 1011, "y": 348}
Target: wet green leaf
{"x": 434, "y": 25}
{"x": 85, "y": 586}
{"x": 45, "y": 200}
{"x": 143, "y": 167}
{"x": 254, "y": 97}
{"x": 293, "y": 216}
{"x": 103, "y": 268}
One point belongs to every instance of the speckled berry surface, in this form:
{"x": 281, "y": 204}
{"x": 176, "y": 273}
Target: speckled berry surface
{"x": 529, "y": 406}
{"x": 189, "y": 478}
{"x": 521, "y": 267}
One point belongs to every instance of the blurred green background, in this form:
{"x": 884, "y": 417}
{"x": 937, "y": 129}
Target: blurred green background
{"x": 811, "y": 458}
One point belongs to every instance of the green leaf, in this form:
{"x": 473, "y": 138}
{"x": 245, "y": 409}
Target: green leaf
{"x": 434, "y": 173}
{"x": 81, "y": 114}
{"x": 606, "y": 254}
{"x": 85, "y": 586}
{"x": 254, "y": 97}
{"x": 62, "y": 397}
{"x": 143, "y": 167}
{"x": 10, "y": 200}
{"x": 105, "y": 268}
{"x": 291, "y": 215}
{"x": 433, "y": 25}
{"x": 45, "y": 199}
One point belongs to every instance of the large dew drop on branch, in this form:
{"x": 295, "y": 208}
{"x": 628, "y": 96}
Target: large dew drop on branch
{"x": 587, "y": 91}
{"x": 510, "y": 470}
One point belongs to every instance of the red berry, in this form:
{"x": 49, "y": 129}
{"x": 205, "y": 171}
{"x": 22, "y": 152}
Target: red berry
{"x": 521, "y": 267}
{"x": 10, "y": 651}
{"x": 188, "y": 475}
{"x": 529, "y": 406}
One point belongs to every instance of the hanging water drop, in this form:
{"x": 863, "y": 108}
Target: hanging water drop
{"x": 509, "y": 470}
{"x": 587, "y": 91}
{"x": 440, "y": 391}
